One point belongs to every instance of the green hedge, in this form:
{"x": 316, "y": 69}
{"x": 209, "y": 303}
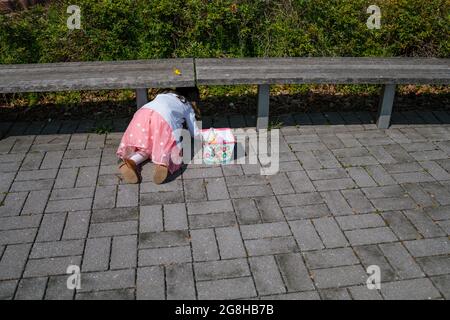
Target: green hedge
{"x": 137, "y": 29}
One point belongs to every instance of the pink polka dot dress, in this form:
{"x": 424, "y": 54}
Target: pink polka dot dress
{"x": 154, "y": 131}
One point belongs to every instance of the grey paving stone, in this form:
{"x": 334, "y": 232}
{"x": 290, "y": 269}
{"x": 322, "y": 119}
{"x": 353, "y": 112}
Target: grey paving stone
{"x": 12, "y": 204}
{"x": 400, "y": 225}
{"x": 246, "y": 211}
{"x": 358, "y": 161}
{"x": 422, "y": 198}
{"x": 96, "y": 255}
{"x": 308, "y": 160}
{"x": 339, "y": 277}
{"x": 118, "y": 294}
{"x": 437, "y": 192}
{"x": 51, "y": 228}
{"x": 32, "y": 160}
{"x": 31, "y": 289}
{"x": 202, "y": 173}
{"x": 124, "y": 252}
{"x": 280, "y": 184}
{"x": 49, "y": 266}
{"x": 77, "y": 225}
{"x": 180, "y": 282}
{"x": 265, "y": 230}
{"x": 32, "y": 175}
{"x": 113, "y": 229}
{"x": 223, "y": 269}
{"x": 404, "y": 265}
{"x": 36, "y": 202}
{"x": 213, "y": 220}
{"x": 164, "y": 256}
{"x": 297, "y": 296}
{"x": 360, "y": 221}
{"x": 428, "y": 247}
{"x": 335, "y": 294}
{"x": 7, "y": 289}
{"x": 380, "y": 175}
{"x": 417, "y": 289}
{"x": 301, "y": 182}
{"x": 204, "y": 246}
{"x": 230, "y": 243}
{"x": 327, "y": 159}
{"x": 424, "y": 224}
{"x": 17, "y": 236}
{"x": 163, "y": 239}
{"x": 115, "y": 215}
{"x": 105, "y": 197}
{"x": 175, "y": 217}
{"x": 369, "y": 236}
{"x": 72, "y": 193}
{"x": 306, "y": 212}
{"x": 13, "y": 261}
{"x": 269, "y": 209}
{"x": 80, "y": 162}
{"x": 336, "y": 202}
{"x": 429, "y": 155}
{"x": 394, "y": 204}
{"x": 66, "y": 178}
{"x": 381, "y": 154}
{"x": 20, "y": 222}
{"x": 150, "y": 283}
{"x": 266, "y": 274}
{"x": 151, "y": 219}
{"x": 330, "y": 258}
{"x": 294, "y": 272}
{"x": 108, "y": 280}
{"x": 403, "y": 167}
{"x": 302, "y": 199}
{"x": 330, "y": 233}
{"x": 52, "y": 160}
{"x": 57, "y": 289}
{"x": 216, "y": 189}
{"x": 69, "y": 205}
{"x": 372, "y": 255}
{"x": 250, "y": 191}
{"x": 209, "y": 207}
{"x": 443, "y": 284}
{"x": 327, "y": 174}
{"x": 357, "y": 201}
{"x": 363, "y": 293}
{"x": 127, "y": 195}
{"x": 57, "y": 249}
{"x": 384, "y": 192}
{"x": 412, "y": 177}
{"x": 439, "y": 213}
{"x": 154, "y": 198}
{"x": 226, "y": 289}
{"x": 270, "y": 246}
{"x": 194, "y": 190}
{"x": 435, "y": 265}
{"x": 306, "y": 235}
{"x": 334, "y": 184}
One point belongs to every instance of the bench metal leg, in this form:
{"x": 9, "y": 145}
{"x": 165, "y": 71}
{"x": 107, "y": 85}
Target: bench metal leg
{"x": 385, "y": 106}
{"x": 263, "y": 106}
{"x": 141, "y": 97}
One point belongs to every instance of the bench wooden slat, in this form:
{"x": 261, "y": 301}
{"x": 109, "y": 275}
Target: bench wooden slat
{"x": 323, "y": 70}
{"x": 96, "y": 75}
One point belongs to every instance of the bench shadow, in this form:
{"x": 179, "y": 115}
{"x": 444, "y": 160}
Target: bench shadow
{"x": 286, "y": 110}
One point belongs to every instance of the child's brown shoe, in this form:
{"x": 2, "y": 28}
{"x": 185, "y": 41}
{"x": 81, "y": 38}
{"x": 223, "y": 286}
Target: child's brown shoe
{"x": 160, "y": 173}
{"x": 129, "y": 172}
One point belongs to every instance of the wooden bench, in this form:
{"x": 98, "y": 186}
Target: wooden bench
{"x": 138, "y": 75}
{"x": 266, "y": 71}
{"x": 143, "y": 74}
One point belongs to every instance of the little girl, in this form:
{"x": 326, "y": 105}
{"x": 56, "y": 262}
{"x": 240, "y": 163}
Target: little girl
{"x": 154, "y": 133}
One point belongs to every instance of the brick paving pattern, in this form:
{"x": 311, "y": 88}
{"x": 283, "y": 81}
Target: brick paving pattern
{"x": 347, "y": 196}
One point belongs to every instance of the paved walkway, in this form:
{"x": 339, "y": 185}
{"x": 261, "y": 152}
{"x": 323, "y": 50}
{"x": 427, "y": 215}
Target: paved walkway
{"x": 348, "y": 196}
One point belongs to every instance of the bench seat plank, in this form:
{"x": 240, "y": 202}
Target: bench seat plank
{"x": 323, "y": 70}
{"x": 155, "y": 73}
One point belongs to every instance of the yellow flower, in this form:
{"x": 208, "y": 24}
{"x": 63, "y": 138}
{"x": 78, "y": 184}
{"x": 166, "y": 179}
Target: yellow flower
{"x": 177, "y": 71}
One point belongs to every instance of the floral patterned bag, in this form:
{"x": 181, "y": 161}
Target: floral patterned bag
{"x": 218, "y": 145}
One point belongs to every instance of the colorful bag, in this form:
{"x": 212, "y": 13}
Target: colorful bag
{"x": 218, "y": 145}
